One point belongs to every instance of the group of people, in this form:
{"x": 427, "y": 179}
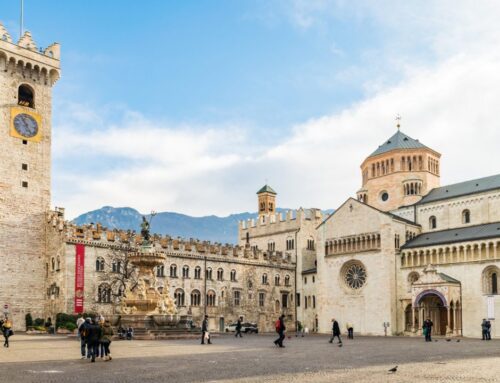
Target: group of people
{"x": 6, "y": 327}
{"x": 95, "y": 338}
{"x": 486, "y": 329}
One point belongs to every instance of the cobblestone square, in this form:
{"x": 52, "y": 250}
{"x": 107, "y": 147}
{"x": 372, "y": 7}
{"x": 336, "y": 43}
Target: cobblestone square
{"x": 254, "y": 358}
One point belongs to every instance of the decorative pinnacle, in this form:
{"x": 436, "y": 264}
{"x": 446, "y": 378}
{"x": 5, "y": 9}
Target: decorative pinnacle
{"x": 398, "y": 119}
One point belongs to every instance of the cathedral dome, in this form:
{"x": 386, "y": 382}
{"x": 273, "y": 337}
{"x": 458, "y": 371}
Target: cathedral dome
{"x": 398, "y": 141}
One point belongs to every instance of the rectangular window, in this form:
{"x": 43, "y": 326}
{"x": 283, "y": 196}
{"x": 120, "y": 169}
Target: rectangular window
{"x": 25, "y": 184}
{"x": 236, "y": 298}
{"x": 298, "y": 299}
{"x": 284, "y": 300}
{"x": 25, "y": 142}
{"x": 24, "y": 166}
{"x": 262, "y": 298}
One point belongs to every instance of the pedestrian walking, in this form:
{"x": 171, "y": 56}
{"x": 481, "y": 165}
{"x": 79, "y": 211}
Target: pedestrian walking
{"x": 79, "y": 322}
{"x": 300, "y": 329}
{"x": 280, "y": 329}
{"x": 488, "y": 330}
{"x": 205, "y": 335}
{"x": 6, "y": 327}
{"x": 350, "y": 330}
{"x": 238, "y": 327}
{"x": 335, "y": 331}
{"x": 427, "y": 329}
{"x": 94, "y": 334}
{"x": 83, "y": 333}
{"x": 105, "y": 341}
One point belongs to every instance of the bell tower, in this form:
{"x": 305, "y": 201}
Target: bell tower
{"x": 267, "y": 200}
{"x": 27, "y": 75}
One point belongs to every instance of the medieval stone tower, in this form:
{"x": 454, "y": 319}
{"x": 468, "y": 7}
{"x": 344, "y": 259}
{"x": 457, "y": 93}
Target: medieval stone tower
{"x": 27, "y": 75}
{"x": 267, "y": 200}
{"x": 399, "y": 173}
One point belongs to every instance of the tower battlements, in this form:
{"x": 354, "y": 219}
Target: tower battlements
{"x": 287, "y": 220}
{"x": 25, "y": 58}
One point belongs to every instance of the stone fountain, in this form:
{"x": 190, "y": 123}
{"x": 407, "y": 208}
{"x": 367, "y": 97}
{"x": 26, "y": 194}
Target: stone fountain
{"x": 149, "y": 311}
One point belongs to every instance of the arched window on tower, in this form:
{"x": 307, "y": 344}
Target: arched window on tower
{"x": 26, "y": 96}
{"x": 432, "y": 222}
{"x": 466, "y": 216}
{"x": 99, "y": 264}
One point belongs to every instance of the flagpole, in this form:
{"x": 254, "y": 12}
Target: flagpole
{"x": 22, "y": 18}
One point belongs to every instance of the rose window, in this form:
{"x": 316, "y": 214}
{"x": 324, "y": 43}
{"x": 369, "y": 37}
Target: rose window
{"x": 355, "y": 276}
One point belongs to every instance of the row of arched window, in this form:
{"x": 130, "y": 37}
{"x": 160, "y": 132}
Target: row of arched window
{"x": 466, "y": 218}
{"x": 413, "y": 188}
{"x": 277, "y": 280}
{"x": 408, "y": 163}
{"x": 310, "y": 301}
{"x": 160, "y": 272}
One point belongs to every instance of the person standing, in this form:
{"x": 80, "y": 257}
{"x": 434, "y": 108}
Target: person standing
{"x": 83, "y": 332}
{"x": 7, "y": 332}
{"x": 238, "y": 328}
{"x": 204, "y": 331}
{"x": 79, "y": 322}
{"x": 94, "y": 334}
{"x": 335, "y": 331}
{"x": 484, "y": 329}
{"x": 488, "y": 330}
{"x": 105, "y": 341}
{"x": 280, "y": 329}
{"x": 350, "y": 330}
{"x": 427, "y": 329}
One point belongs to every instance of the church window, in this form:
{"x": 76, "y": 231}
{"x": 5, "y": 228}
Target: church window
{"x": 264, "y": 279}
{"x": 211, "y": 298}
{"x": 396, "y": 241}
{"x": 290, "y": 244}
{"x": 160, "y": 271}
{"x": 432, "y": 222}
{"x": 314, "y": 301}
{"x": 237, "y": 297}
{"x": 490, "y": 280}
{"x": 25, "y": 142}
{"x": 208, "y": 274}
{"x": 24, "y": 184}
{"x": 233, "y": 276}
{"x": 305, "y": 302}
{"x": 466, "y": 216}
{"x": 24, "y": 166}
{"x": 354, "y": 275}
{"x": 262, "y": 206}
{"x": 53, "y": 264}
{"x": 173, "y": 271}
{"x": 270, "y": 206}
{"x": 99, "y": 264}
{"x": 197, "y": 272}
{"x": 305, "y": 280}
{"x": 384, "y": 196}
{"x": 220, "y": 274}
{"x": 26, "y": 96}
{"x": 277, "y": 280}
{"x": 195, "y": 298}
{"x": 185, "y": 271}
{"x": 179, "y": 297}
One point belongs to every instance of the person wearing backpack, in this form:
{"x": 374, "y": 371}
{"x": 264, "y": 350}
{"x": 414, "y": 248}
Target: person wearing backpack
{"x": 280, "y": 329}
{"x": 83, "y": 331}
{"x": 7, "y": 332}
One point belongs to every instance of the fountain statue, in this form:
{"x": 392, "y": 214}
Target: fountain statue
{"x": 143, "y": 305}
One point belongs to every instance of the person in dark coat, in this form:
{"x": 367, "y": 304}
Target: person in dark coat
{"x": 280, "y": 328}
{"x": 82, "y": 330}
{"x": 6, "y": 327}
{"x": 488, "y": 330}
{"x": 204, "y": 331}
{"x": 427, "y": 328}
{"x": 238, "y": 328}
{"x": 94, "y": 332}
{"x": 335, "y": 331}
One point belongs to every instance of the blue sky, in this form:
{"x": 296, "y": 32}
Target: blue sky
{"x": 190, "y": 106}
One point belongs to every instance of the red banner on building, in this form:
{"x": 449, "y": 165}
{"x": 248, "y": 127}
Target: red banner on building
{"x": 79, "y": 277}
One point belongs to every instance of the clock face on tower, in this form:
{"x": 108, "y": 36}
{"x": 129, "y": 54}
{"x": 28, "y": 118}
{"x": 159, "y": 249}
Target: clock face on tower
{"x": 25, "y": 125}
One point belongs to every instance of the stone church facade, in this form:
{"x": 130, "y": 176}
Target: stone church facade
{"x": 404, "y": 250}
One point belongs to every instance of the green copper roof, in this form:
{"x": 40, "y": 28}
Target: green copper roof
{"x": 398, "y": 141}
{"x": 266, "y": 189}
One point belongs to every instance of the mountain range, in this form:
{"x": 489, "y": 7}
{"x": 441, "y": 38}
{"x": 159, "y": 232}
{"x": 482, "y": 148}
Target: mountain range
{"x": 209, "y": 228}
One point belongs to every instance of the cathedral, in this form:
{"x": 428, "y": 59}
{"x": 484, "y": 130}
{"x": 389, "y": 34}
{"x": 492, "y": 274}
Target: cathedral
{"x": 404, "y": 250}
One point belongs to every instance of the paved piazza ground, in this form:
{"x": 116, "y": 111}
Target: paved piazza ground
{"x": 254, "y": 359}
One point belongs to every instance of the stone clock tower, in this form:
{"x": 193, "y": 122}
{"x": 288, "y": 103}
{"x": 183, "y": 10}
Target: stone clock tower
{"x": 27, "y": 75}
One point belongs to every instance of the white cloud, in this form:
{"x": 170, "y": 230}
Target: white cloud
{"x": 448, "y": 103}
